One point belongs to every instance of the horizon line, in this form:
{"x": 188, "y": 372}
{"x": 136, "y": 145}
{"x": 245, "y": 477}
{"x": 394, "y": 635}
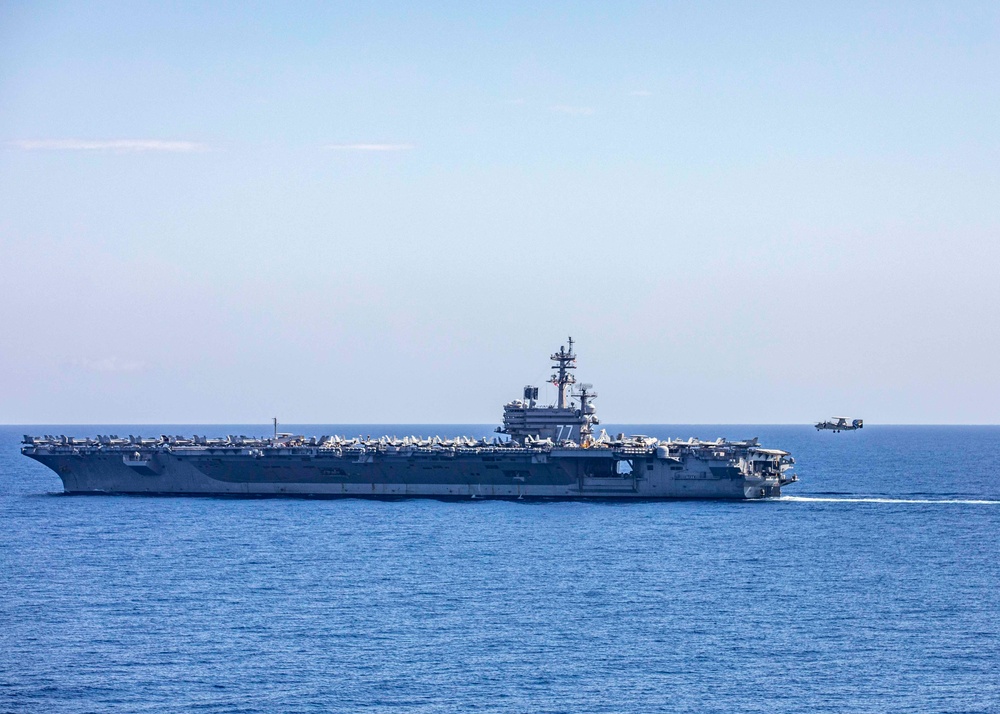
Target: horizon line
{"x": 623, "y": 424}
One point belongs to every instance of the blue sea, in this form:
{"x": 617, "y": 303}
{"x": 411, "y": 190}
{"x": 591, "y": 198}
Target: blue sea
{"x": 873, "y": 585}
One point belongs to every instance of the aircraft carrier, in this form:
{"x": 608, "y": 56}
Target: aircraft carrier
{"x": 541, "y": 451}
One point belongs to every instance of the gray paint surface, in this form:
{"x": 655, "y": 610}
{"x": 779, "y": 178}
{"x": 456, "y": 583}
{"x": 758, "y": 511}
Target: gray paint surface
{"x": 551, "y": 452}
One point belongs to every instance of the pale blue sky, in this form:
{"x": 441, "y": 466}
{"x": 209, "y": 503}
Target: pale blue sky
{"x": 393, "y": 213}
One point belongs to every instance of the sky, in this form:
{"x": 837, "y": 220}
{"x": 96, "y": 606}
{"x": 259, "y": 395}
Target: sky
{"x": 394, "y": 212}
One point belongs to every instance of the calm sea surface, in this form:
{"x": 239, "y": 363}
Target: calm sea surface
{"x": 872, "y": 586}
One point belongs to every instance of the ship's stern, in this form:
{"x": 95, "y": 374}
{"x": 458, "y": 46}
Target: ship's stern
{"x": 766, "y": 472}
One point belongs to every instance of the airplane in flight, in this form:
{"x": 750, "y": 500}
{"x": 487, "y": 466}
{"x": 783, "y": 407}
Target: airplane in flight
{"x": 837, "y": 424}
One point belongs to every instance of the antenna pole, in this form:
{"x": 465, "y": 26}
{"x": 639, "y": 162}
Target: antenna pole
{"x": 565, "y": 360}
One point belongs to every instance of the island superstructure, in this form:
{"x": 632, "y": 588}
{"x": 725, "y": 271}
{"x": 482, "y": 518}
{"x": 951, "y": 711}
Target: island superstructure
{"x": 541, "y": 451}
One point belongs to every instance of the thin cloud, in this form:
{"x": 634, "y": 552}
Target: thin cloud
{"x": 369, "y": 147}
{"x": 572, "y": 111}
{"x": 641, "y": 93}
{"x": 116, "y": 145}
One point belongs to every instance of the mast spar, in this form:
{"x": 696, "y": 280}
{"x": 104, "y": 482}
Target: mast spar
{"x": 564, "y": 360}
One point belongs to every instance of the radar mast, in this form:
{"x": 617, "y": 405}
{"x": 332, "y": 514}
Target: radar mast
{"x": 564, "y": 360}
{"x": 586, "y": 394}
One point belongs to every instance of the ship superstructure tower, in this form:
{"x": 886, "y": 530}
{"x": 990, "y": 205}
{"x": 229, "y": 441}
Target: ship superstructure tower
{"x": 570, "y": 419}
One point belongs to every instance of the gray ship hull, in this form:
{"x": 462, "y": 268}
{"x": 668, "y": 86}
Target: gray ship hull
{"x": 557, "y": 474}
{"x": 551, "y": 452}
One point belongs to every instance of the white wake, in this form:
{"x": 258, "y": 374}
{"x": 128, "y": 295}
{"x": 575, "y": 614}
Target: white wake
{"x": 922, "y": 501}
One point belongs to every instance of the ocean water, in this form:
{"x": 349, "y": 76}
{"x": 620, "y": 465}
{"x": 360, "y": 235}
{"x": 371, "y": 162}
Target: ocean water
{"x": 873, "y": 585}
